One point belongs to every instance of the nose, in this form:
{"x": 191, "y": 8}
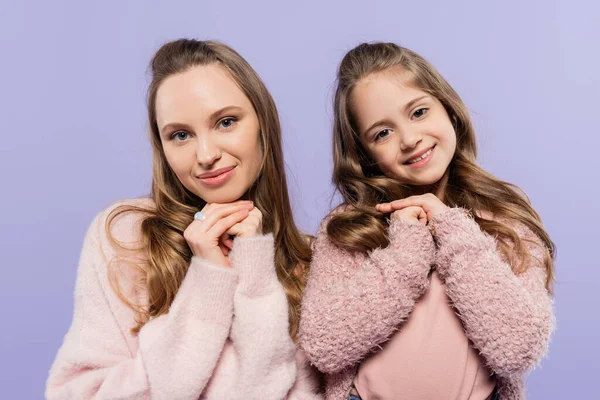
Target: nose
{"x": 208, "y": 151}
{"x": 409, "y": 139}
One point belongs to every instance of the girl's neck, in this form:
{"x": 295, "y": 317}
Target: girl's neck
{"x": 438, "y": 188}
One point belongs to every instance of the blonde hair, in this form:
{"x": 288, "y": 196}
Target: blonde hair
{"x": 168, "y": 255}
{"x": 360, "y": 228}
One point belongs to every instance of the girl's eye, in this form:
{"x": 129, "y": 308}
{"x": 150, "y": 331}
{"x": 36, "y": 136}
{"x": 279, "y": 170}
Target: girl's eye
{"x": 180, "y": 136}
{"x": 227, "y": 122}
{"x": 420, "y": 112}
{"x": 382, "y": 134}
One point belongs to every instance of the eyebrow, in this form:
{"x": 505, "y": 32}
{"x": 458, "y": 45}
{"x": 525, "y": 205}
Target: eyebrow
{"x": 407, "y": 106}
{"x": 213, "y": 117}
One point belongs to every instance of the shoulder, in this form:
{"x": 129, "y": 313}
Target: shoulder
{"x": 116, "y": 230}
{"x": 113, "y": 254}
{"x": 536, "y": 251}
{"x": 341, "y": 208}
{"x": 522, "y": 230}
{"x": 122, "y": 219}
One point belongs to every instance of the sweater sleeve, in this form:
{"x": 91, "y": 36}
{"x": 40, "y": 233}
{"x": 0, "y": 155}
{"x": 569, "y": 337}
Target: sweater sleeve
{"x": 308, "y": 381}
{"x": 173, "y": 355}
{"x": 259, "y": 332}
{"x": 508, "y": 317}
{"x": 354, "y": 302}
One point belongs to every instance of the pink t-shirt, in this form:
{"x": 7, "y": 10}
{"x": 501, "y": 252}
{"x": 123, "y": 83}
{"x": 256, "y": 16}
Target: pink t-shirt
{"x": 430, "y": 357}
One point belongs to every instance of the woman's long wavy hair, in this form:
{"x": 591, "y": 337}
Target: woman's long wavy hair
{"x": 359, "y": 227}
{"x": 167, "y": 254}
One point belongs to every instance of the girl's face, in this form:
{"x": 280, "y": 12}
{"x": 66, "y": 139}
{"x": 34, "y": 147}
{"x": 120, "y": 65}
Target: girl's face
{"x": 405, "y": 130}
{"x": 210, "y": 133}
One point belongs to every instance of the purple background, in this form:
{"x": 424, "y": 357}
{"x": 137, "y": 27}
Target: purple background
{"x": 72, "y": 85}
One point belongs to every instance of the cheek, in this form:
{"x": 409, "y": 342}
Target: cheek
{"x": 447, "y": 130}
{"x": 171, "y": 159}
{"x": 250, "y": 145}
{"x": 176, "y": 160}
{"x": 453, "y": 144}
{"x": 255, "y": 156}
{"x": 386, "y": 157}
{"x": 450, "y": 139}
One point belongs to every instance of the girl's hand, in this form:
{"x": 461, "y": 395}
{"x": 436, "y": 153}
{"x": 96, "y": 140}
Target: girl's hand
{"x": 428, "y": 202}
{"x": 412, "y": 215}
{"x": 207, "y": 238}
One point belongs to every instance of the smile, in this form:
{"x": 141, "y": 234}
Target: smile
{"x": 422, "y": 159}
{"x": 218, "y": 177}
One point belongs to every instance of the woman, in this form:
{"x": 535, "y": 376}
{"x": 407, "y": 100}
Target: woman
{"x": 176, "y": 303}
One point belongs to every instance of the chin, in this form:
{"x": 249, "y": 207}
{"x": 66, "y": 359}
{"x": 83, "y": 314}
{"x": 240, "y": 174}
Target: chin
{"x": 221, "y": 195}
{"x": 427, "y": 180}
{"x": 220, "y": 199}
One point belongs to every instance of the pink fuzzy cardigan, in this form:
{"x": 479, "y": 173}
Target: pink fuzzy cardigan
{"x": 355, "y": 302}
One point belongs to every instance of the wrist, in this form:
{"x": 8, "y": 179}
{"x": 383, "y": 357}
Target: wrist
{"x": 449, "y": 213}
{"x": 214, "y": 257}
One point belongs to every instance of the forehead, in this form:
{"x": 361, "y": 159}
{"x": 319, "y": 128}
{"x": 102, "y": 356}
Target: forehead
{"x": 200, "y": 90}
{"x": 382, "y": 95}
{"x": 389, "y": 86}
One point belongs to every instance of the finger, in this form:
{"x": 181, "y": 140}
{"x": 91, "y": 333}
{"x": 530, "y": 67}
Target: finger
{"x": 226, "y": 240}
{"x": 422, "y": 216}
{"x": 248, "y": 224}
{"x": 413, "y": 201}
{"x": 201, "y": 228}
{"x": 220, "y": 213}
{"x": 213, "y": 206}
{"x": 384, "y": 208}
{"x": 252, "y": 223}
{"x": 255, "y": 217}
{"x": 224, "y": 249}
{"x": 416, "y": 211}
{"x": 401, "y": 204}
{"x": 235, "y": 230}
{"x": 395, "y": 206}
{"x": 256, "y": 212}
{"x": 223, "y": 239}
{"x": 224, "y": 224}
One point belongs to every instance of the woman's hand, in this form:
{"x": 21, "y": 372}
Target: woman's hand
{"x": 251, "y": 226}
{"x": 208, "y": 237}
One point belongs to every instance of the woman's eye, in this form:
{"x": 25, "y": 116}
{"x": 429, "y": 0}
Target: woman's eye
{"x": 180, "y": 136}
{"x": 420, "y": 112}
{"x": 381, "y": 134}
{"x": 227, "y": 122}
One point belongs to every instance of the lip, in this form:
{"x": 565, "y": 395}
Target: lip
{"x": 419, "y": 154}
{"x": 216, "y": 177}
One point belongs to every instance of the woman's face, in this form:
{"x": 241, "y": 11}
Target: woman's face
{"x": 209, "y": 132}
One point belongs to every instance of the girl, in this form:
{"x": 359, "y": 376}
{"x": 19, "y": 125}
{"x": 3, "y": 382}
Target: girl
{"x": 431, "y": 280}
{"x": 208, "y": 294}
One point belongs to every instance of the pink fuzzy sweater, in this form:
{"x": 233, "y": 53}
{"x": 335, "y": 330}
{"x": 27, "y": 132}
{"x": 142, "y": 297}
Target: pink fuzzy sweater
{"x": 354, "y": 303}
{"x": 224, "y": 337}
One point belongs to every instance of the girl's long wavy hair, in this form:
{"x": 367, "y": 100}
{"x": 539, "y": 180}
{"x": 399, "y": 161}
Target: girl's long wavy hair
{"x": 166, "y": 253}
{"x": 359, "y": 227}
